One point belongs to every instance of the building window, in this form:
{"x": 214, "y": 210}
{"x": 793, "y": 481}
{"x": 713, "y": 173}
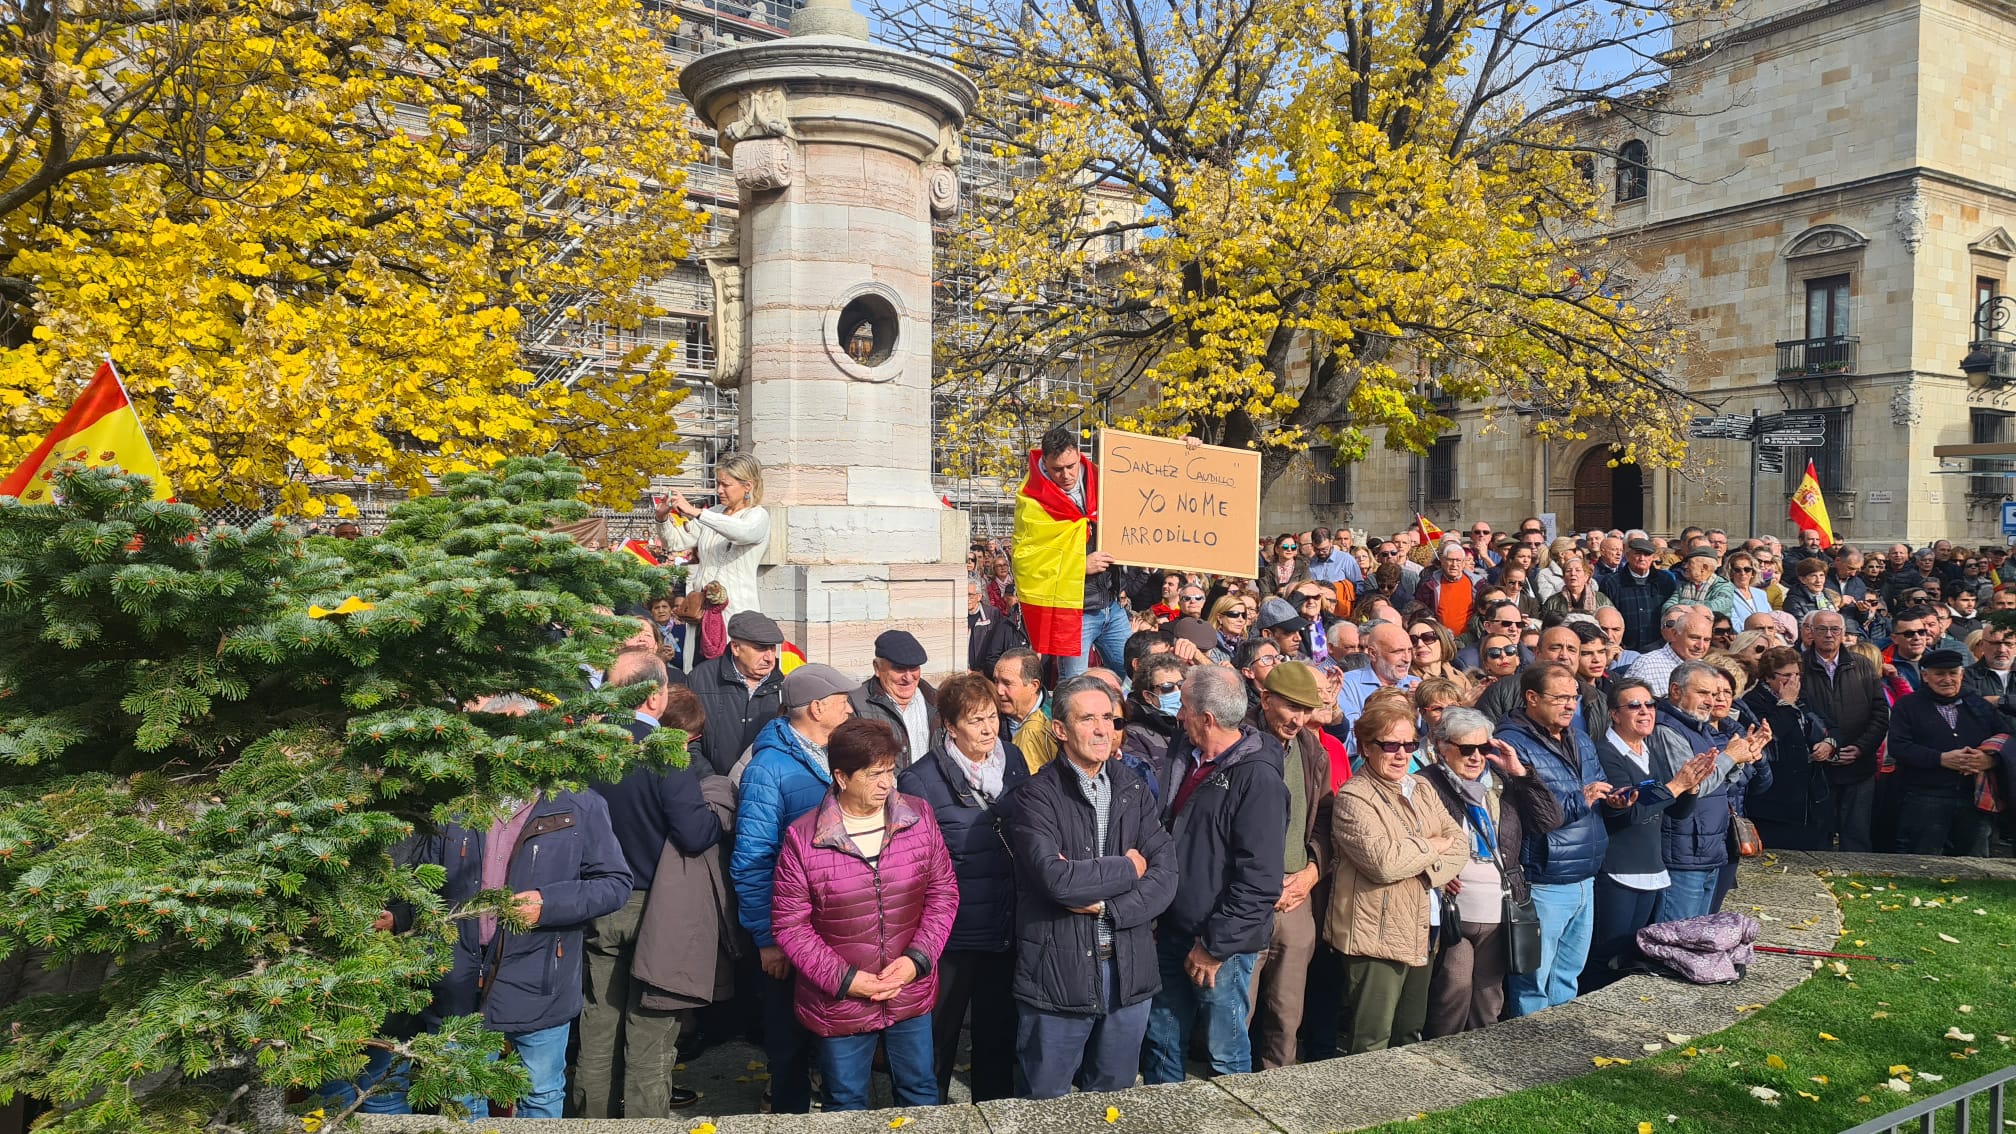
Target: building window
{"x": 1116, "y": 241}
{"x": 1442, "y": 469}
{"x": 1585, "y": 167}
{"x": 697, "y": 350}
{"x": 1830, "y": 457}
{"x": 1986, "y": 288}
{"x": 1827, "y": 308}
{"x": 1633, "y": 165}
{"x": 1989, "y": 427}
{"x": 1337, "y": 489}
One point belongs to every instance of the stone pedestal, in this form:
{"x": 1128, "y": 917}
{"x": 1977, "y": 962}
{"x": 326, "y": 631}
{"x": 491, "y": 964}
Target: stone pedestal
{"x": 843, "y": 151}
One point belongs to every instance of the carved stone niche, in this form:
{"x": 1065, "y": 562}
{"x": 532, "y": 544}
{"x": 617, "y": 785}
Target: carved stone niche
{"x": 763, "y": 164}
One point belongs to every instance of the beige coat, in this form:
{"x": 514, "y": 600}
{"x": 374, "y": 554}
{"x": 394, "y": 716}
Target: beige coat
{"x": 1385, "y": 868}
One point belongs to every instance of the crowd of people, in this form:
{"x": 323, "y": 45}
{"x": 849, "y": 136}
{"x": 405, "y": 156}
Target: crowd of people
{"x": 1379, "y": 790}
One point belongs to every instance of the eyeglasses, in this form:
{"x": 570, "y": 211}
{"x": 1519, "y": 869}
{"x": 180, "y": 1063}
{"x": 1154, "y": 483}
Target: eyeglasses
{"x": 1910, "y": 633}
{"x": 1238, "y": 614}
{"x": 1634, "y": 706}
{"x": 1470, "y": 749}
{"x": 1288, "y": 547}
{"x": 1425, "y": 639}
{"x": 1166, "y": 687}
{"x": 1829, "y": 630}
{"x": 1480, "y": 532}
{"x": 1390, "y": 747}
{"x": 1786, "y": 675}
{"x": 1496, "y": 653}
{"x": 1742, "y": 570}
{"x": 1504, "y": 622}
{"x": 1311, "y": 598}
{"x": 1193, "y": 598}
{"x": 1559, "y": 698}
{"x": 1388, "y": 552}
{"x": 1267, "y": 661}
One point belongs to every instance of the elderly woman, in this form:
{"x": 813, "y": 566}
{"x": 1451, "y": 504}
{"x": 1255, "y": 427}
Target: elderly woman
{"x": 864, "y": 900}
{"x": 729, "y": 537}
{"x": 1792, "y": 811}
{"x": 1657, "y": 776}
{"x": 1395, "y": 844}
{"x": 1230, "y": 616}
{"x": 1578, "y": 590}
{"x": 1697, "y": 844}
{"x": 1496, "y": 800}
{"x": 969, "y": 779}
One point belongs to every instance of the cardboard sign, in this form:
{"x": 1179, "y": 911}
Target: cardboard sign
{"x": 1164, "y": 504}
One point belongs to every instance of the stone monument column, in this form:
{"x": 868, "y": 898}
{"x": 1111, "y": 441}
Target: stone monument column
{"x": 843, "y": 152}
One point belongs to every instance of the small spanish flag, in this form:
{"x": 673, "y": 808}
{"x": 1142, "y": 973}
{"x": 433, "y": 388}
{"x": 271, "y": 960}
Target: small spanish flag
{"x": 1430, "y": 534}
{"x": 1809, "y": 507}
{"x": 100, "y": 429}
{"x": 640, "y": 549}
{"x": 789, "y": 657}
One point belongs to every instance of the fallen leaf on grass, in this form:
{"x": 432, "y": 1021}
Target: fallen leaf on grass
{"x": 1820, "y": 1079}
{"x": 1830, "y": 1039}
{"x": 1861, "y": 1098}
{"x": 1964, "y": 1009}
{"x": 1899, "y": 1068}
{"x": 1981, "y": 913}
{"x": 1606, "y": 1061}
{"x": 1809, "y": 1095}
{"x": 1954, "y": 1033}
{"x": 1644, "y": 1128}
{"x": 1764, "y": 1095}
{"x": 1949, "y": 939}
{"x": 1898, "y": 1085}
{"x": 1691, "y": 1053}
{"x": 1879, "y": 1015}
{"x": 1677, "y": 1038}
{"x": 1775, "y": 1063}
{"x": 1930, "y": 1077}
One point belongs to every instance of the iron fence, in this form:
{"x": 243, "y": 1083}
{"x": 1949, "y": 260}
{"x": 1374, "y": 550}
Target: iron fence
{"x": 1964, "y": 1101}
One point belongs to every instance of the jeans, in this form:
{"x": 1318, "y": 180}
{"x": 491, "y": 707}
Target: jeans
{"x": 1567, "y": 922}
{"x": 1850, "y": 807}
{"x": 543, "y": 1052}
{"x": 1222, "y": 1009}
{"x": 616, "y": 1028}
{"x": 1691, "y": 894}
{"x": 1107, "y": 629}
{"x": 1101, "y": 1053}
{"x": 1620, "y": 913}
{"x": 848, "y": 1062}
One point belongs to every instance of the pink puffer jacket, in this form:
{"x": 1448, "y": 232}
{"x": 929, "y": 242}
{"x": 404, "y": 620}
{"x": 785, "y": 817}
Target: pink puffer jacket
{"x": 836, "y": 915}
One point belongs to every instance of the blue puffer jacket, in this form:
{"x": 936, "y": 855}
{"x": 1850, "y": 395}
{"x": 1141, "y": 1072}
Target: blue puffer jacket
{"x": 1700, "y": 839}
{"x": 783, "y": 781}
{"x": 976, "y": 833}
{"x": 1572, "y": 852}
{"x": 569, "y": 854}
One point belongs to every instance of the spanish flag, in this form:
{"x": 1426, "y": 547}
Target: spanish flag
{"x": 641, "y": 550}
{"x": 1809, "y": 508}
{"x": 1431, "y": 535}
{"x": 1050, "y": 536}
{"x": 100, "y": 429}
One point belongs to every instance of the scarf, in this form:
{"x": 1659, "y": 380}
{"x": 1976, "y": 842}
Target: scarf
{"x": 986, "y": 777}
{"x": 1227, "y": 643}
{"x": 1476, "y": 796}
{"x": 713, "y": 627}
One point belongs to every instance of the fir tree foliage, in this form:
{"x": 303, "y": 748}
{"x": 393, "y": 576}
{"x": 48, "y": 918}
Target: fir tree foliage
{"x": 202, "y": 784}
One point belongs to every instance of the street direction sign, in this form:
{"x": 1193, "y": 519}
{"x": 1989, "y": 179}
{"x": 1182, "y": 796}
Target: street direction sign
{"x": 2009, "y": 517}
{"x": 1770, "y": 460}
{"x": 1794, "y": 439}
{"x": 1728, "y": 426}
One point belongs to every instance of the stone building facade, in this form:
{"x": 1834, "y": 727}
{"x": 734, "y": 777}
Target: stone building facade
{"x": 1832, "y": 189}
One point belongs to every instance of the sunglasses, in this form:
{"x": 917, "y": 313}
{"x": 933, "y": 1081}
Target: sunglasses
{"x": 1480, "y": 532}
{"x": 1311, "y": 598}
{"x": 1166, "y": 687}
{"x": 1504, "y": 622}
{"x": 1390, "y": 747}
{"x": 1911, "y": 633}
{"x": 1388, "y": 553}
{"x": 1743, "y": 570}
{"x": 1238, "y": 614}
{"x": 1193, "y": 598}
{"x": 1288, "y": 547}
{"x": 1470, "y": 749}
{"x": 1425, "y": 639}
{"x": 1496, "y": 653}
{"x": 1634, "y": 706}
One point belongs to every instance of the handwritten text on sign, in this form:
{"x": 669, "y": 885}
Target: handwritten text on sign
{"x": 1163, "y": 504}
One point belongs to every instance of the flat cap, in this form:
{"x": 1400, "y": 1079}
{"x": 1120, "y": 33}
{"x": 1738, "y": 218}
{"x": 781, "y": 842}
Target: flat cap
{"x": 899, "y": 648}
{"x": 1640, "y": 544}
{"x": 813, "y": 681}
{"x": 1276, "y": 614}
{"x": 1943, "y": 659}
{"x": 755, "y": 628}
{"x": 1296, "y": 683}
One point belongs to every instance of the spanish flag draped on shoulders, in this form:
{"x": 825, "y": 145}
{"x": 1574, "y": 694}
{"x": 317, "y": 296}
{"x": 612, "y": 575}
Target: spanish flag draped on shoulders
{"x": 1051, "y": 534}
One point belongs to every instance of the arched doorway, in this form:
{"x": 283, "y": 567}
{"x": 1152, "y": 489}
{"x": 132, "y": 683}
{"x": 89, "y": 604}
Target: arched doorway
{"x": 1608, "y": 498}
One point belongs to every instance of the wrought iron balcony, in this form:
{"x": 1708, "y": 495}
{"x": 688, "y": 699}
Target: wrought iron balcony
{"x": 1805, "y": 358}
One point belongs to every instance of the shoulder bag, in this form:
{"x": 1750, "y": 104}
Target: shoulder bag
{"x": 1522, "y": 924}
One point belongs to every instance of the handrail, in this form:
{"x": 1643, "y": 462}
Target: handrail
{"x": 1926, "y": 1110}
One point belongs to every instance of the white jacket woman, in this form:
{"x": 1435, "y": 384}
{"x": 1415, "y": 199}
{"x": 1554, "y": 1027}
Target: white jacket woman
{"x": 730, "y": 536}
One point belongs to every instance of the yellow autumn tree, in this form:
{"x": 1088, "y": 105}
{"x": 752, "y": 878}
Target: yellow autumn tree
{"x": 318, "y": 236}
{"x": 1279, "y": 223}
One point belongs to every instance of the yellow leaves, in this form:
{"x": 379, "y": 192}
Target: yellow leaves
{"x": 1900, "y": 1068}
{"x": 1775, "y": 1062}
{"x": 704, "y": 1128}
{"x": 1830, "y": 1038}
{"x": 898, "y": 1122}
{"x": 1644, "y": 1128}
{"x": 1112, "y": 1115}
{"x": 1607, "y": 1061}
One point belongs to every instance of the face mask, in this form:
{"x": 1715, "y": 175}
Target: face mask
{"x": 1171, "y": 703}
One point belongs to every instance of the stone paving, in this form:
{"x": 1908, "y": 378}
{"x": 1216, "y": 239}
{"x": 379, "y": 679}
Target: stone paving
{"x": 1784, "y": 892}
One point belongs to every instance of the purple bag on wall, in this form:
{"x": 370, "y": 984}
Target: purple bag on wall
{"x": 1710, "y": 949}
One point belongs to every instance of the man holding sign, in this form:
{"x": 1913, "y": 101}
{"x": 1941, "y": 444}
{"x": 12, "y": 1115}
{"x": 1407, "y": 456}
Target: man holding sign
{"x": 1070, "y": 590}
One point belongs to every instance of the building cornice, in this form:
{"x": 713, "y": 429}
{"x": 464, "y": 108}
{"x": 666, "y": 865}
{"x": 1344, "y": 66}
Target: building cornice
{"x": 1872, "y": 186}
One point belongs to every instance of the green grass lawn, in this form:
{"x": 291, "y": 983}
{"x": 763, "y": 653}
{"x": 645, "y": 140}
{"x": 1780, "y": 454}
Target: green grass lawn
{"x": 1830, "y": 1048}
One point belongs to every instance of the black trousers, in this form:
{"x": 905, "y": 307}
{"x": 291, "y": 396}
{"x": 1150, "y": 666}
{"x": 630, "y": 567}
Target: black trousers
{"x": 788, "y": 1046}
{"x": 984, "y": 984}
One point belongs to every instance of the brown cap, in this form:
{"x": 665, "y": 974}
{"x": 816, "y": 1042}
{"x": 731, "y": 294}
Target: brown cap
{"x": 1296, "y": 683}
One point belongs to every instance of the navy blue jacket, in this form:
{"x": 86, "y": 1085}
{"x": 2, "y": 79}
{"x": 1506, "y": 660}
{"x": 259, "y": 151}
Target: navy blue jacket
{"x": 1639, "y": 602}
{"x": 1918, "y": 734}
{"x": 650, "y": 807}
{"x": 976, "y": 834}
{"x": 735, "y": 713}
{"x": 1059, "y": 867}
{"x": 527, "y": 982}
{"x": 1572, "y": 852}
{"x": 1636, "y": 842}
{"x": 1230, "y": 836}
{"x": 1700, "y": 839}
